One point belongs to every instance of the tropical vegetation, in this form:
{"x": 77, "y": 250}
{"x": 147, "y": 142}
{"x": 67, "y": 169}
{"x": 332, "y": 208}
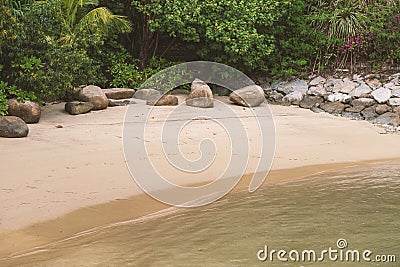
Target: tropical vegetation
{"x": 48, "y": 47}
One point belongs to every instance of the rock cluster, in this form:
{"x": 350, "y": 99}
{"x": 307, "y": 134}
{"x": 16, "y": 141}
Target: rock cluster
{"x": 360, "y": 98}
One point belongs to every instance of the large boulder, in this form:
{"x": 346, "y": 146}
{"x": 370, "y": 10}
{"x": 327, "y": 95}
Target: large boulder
{"x": 295, "y": 86}
{"x": 318, "y": 80}
{"x": 13, "y": 127}
{"x": 382, "y": 95}
{"x": 94, "y": 95}
{"x": 249, "y": 96}
{"x": 311, "y": 101}
{"x": 333, "y": 107}
{"x": 369, "y": 113}
{"x": 388, "y": 118}
{"x": 361, "y": 91}
{"x": 294, "y": 98}
{"x": 201, "y": 95}
{"x": 344, "y": 98}
{"x": 76, "y": 107}
{"x": 394, "y": 101}
{"x": 119, "y": 93}
{"x": 318, "y": 90}
{"x": 146, "y": 94}
{"x": 28, "y": 111}
{"x": 348, "y": 87}
{"x": 381, "y": 109}
{"x": 165, "y": 100}
{"x": 358, "y": 105}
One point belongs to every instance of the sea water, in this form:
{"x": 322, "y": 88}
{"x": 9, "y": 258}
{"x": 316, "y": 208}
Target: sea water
{"x": 347, "y": 218}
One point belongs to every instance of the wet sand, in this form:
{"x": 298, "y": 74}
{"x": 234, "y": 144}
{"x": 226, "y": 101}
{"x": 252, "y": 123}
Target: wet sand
{"x": 60, "y": 181}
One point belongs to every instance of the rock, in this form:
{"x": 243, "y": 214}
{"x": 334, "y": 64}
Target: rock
{"x": 389, "y": 85}
{"x": 348, "y": 87}
{"x": 369, "y": 113}
{"x": 311, "y": 101}
{"x": 249, "y": 96}
{"x": 317, "y": 81}
{"x": 396, "y": 91}
{"x": 352, "y": 115}
{"x": 339, "y": 97}
{"x": 396, "y": 110}
{"x": 358, "y": 105}
{"x": 388, "y": 118}
{"x": 94, "y": 95}
{"x": 119, "y": 93}
{"x": 331, "y": 83}
{"x": 119, "y": 102}
{"x": 273, "y": 97}
{"x": 361, "y": 91}
{"x": 28, "y": 111}
{"x": 293, "y": 98}
{"x": 200, "y": 102}
{"x": 165, "y": 100}
{"x": 290, "y": 87}
{"x": 146, "y": 94}
{"x": 380, "y": 109}
{"x": 13, "y": 127}
{"x": 200, "y": 96}
{"x": 394, "y": 101}
{"x": 318, "y": 90}
{"x": 333, "y": 107}
{"x": 374, "y": 83}
{"x": 382, "y": 95}
{"x": 317, "y": 110}
{"x": 76, "y": 107}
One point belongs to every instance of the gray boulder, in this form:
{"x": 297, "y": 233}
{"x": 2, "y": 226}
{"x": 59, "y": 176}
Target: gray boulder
{"x": 295, "y": 86}
{"x": 119, "y": 93}
{"x": 94, "y": 95}
{"x": 28, "y": 111}
{"x": 348, "y": 87}
{"x": 396, "y": 91}
{"x": 382, "y": 95}
{"x": 76, "y": 107}
{"x": 318, "y": 90}
{"x": 249, "y": 96}
{"x": 394, "y": 101}
{"x": 388, "y": 118}
{"x": 361, "y": 91}
{"x": 13, "y": 127}
{"x": 344, "y": 98}
{"x": 146, "y": 94}
{"x": 317, "y": 81}
{"x": 294, "y": 98}
{"x": 119, "y": 102}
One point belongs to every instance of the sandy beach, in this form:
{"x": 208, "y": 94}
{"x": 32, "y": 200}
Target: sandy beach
{"x": 70, "y": 174}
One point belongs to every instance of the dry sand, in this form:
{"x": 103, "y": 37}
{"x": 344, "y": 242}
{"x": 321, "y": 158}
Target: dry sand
{"x": 60, "y": 181}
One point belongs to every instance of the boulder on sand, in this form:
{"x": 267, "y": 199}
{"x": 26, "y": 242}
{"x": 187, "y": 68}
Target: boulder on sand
{"x": 249, "y": 96}
{"x": 13, "y": 127}
{"x": 28, "y": 111}
{"x": 94, "y": 95}
{"x": 201, "y": 95}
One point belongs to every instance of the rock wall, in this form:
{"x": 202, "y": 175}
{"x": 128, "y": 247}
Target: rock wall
{"x": 359, "y": 97}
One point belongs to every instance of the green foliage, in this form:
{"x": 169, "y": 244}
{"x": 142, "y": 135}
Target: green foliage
{"x": 231, "y": 31}
{"x": 130, "y": 76}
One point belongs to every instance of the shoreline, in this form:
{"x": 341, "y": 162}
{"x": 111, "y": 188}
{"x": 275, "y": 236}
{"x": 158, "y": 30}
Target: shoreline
{"x": 50, "y": 186}
{"x": 123, "y": 211}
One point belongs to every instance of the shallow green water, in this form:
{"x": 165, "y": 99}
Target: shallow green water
{"x": 360, "y": 206}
